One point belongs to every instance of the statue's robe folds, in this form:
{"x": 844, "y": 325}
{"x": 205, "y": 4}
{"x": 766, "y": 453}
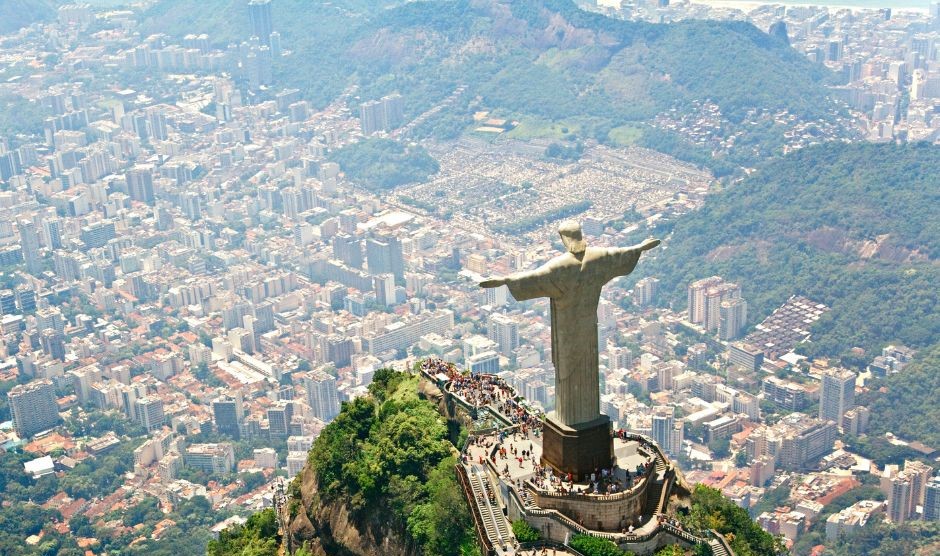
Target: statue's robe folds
{"x": 574, "y": 285}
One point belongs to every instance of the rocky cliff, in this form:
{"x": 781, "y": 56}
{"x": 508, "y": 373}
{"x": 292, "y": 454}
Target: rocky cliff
{"x": 330, "y": 529}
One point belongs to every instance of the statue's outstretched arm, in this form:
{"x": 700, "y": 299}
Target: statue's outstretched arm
{"x": 624, "y": 259}
{"x": 526, "y": 285}
{"x": 494, "y": 282}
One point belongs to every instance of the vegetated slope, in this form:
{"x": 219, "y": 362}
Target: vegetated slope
{"x": 908, "y": 406}
{"x": 853, "y": 226}
{"x": 20, "y": 116}
{"x": 16, "y": 14}
{"x": 379, "y": 164}
{"x": 545, "y": 59}
{"x": 918, "y": 538}
{"x": 380, "y": 479}
{"x": 712, "y": 510}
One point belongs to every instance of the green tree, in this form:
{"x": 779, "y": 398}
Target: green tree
{"x": 721, "y": 447}
{"x": 525, "y": 532}
{"x": 594, "y": 546}
{"x": 257, "y": 537}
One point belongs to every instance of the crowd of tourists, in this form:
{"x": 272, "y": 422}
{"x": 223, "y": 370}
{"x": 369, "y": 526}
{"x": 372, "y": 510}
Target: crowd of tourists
{"x": 483, "y": 390}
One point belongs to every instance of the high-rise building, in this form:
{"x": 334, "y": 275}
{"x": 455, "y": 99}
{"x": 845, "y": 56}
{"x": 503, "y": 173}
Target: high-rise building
{"x": 406, "y": 332}
{"x": 932, "y": 499}
{"x": 784, "y": 394}
{"x": 227, "y": 414}
{"x": 348, "y": 249}
{"x": 382, "y": 115}
{"x": 663, "y": 423}
{"x": 11, "y": 255}
{"x": 855, "y": 421}
{"x": 900, "y": 498}
{"x": 732, "y": 316}
{"x": 275, "y": 43}
{"x": 705, "y": 298}
{"x": 33, "y": 407}
{"x": 279, "y": 418}
{"x": 384, "y": 287}
{"x": 714, "y": 297}
{"x": 150, "y": 413}
{"x": 676, "y": 437}
{"x": 696, "y": 298}
{"x": 836, "y": 394}
{"x": 258, "y": 66}
{"x": 29, "y": 243}
{"x": 140, "y": 183}
{"x": 191, "y": 205}
{"x": 52, "y": 233}
{"x": 496, "y": 297}
{"x": 264, "y": 317}
{"x": 98, "y": 234}
{"x": 920, "y": 474}
{"x": 384, "y": 255}
{"x": 233, "y": 316}
{"x": 645, "y": 291}
{"x": 503, "y": 330}
{"x": 295, "y": 462}
{"x": 322, "y": 395}
{"x": 393, "y": 111}
{"x": 371, "y": 116}
{"x": 486, "y": 362}
{"x": 211, "y": 458}
{"x": 798, "y": 440}
{"x": 7, "y": 302}
{"x": 619, "y": 357}
{"x": 259, "y": 17}
{"x": 157, "y": 119}
{"x": 745, "y": 357}
{"x": 53, "y": 343}
{"x": 338, "y": 350}
{"x": 25, "y": 298}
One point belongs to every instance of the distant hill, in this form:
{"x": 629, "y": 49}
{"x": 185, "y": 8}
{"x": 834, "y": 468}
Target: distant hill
{"x": 525, "y": 58}
{"x": 853, "y": 226}
{"x": 16, "y": 14}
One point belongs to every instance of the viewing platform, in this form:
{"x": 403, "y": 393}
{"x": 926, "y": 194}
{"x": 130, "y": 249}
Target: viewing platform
{"x": 505, "y": 480}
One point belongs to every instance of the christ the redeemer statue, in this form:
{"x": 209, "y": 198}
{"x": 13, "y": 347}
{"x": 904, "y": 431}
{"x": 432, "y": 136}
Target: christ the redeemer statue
{"x": 573, "y": 282}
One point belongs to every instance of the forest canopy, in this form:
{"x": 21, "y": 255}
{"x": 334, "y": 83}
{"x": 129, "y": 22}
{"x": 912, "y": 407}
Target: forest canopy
{"x": 379, "y": 164}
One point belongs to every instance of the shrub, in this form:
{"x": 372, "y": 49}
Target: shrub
{"x": 593, "y": 546}
{"x": 525, "y": 532}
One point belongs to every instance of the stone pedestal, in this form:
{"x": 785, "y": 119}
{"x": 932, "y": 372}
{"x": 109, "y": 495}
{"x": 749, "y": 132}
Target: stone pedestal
{"x": 578, "y": 450}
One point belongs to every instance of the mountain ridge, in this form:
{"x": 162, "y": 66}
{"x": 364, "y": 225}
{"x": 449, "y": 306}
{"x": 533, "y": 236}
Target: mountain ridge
{"x": 16, "y": 14}
{"x": 527, "y": 58}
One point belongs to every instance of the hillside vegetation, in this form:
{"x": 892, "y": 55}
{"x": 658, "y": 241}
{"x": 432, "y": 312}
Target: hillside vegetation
{"x": 713, "y": 511}
{"x": 379, "y": 164}
{"x": 384, "y": 465}
{"x": 16, "y": 14}
{"x": 851, "y": 226}
{"x": 525, "y": 58}
{"x": 908, "y": 407}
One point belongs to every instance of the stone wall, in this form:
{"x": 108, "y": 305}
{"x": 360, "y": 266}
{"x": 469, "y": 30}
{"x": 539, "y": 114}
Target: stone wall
{"x": 600, "y": 513}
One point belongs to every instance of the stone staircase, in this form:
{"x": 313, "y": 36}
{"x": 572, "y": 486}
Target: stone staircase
{"x": 718, "y": 549}
{"x": 494, "y": 522}
{"x": 658, "y": 482}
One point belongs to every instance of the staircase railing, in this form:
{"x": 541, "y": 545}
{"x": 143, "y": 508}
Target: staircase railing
{"x": 478, "y": 524}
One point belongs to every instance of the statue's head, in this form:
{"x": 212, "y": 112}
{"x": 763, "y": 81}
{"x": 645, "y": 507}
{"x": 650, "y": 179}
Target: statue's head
{"x": 570, "y": 232}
